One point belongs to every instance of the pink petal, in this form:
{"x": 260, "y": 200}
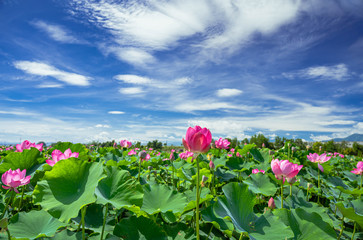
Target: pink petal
{"x": 320, "y": 167}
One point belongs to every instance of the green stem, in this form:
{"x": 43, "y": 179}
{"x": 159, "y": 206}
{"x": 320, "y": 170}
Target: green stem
{"x": 307, "y": 195}
{"x": 8, "y": 232}
{"x": 7, "y": 205}
{"x": 210, "y": 230}
{"x": 104, "y": 221}
{"x": 172, "y": 165}
{"x": 282, "y": 193}
{"x": 197, "y": 203}
{"x": 21, "y": 199}
{"x": 240, "y": 237}
{"x": 361, "y": 181}
{"x": 290, "y": 190}
{"x": 138, "y": 176}
{"x": 318, "y": 185}
{"x": 335, "y": 211}
{"x": 341, "y": 231}
{"x": 355, "y": 223}
{"x": 83, "y": 211}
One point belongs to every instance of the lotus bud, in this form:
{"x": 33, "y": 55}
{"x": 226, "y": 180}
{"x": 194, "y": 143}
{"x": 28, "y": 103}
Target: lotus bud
{"x": 263, "y": 145}
{"x": 293, "y": 149}
{"x": 204, "y": 179}
{"x": 142, "y": 154}
{"x": 172, "y": 157}
{"x": 310, "y": 185}
{"x": 291, "y": 180}
{"x": 150, "y": 168}
{"x": 271, "y": 203}
{"x": 211, "y": 165}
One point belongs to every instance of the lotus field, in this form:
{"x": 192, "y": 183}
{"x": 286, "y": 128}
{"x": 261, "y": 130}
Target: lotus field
{"x": 74, "y": 191}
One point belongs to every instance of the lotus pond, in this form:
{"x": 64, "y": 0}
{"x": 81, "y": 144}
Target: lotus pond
{"x": 108, "y": 193}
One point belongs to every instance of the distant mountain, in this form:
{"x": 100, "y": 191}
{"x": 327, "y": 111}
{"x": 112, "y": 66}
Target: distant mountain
{"x": 352, "y": 138}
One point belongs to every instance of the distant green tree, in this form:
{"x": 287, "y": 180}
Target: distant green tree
{"x": 155, "y": 144}
{"x": 259, "y": 140}
{"x": 234, "y": 143}
{"x": 245, "y": 140}
{"x": 316, "y": 146}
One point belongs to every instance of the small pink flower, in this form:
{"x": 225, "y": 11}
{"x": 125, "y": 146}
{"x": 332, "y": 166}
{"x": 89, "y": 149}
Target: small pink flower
{"x": 137, "y": 149}
{"x": 222, "y": 143}
{"x": 57, "y": 155}
{"x": 230, "y": 155}
{"x": 284, "y": 169}
{"x": 232, "y": 150}
{"x": 271, "y": 203}
{"x": 158, "y": 154}
{"x": 238, "y": 154}
{"x": 14, "y": 179}
{"x": 114, "y": 144}
{"x": 316, "y": 158}
{"x": 255, "y": 171}
{"x": 27, "y": 145}
{"x": 125, "y": 144}
{"x": 197, "y": 139}
{"x": 150, "y": 149}
{"x": 359, "y": 169}
{"x": 185, "y": 155}
{"x": 171, "y": 156}
{"x": 132, "y": 152}
{"x": 211, "y": 165}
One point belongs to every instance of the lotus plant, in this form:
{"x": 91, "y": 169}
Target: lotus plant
{"x": 255, "y": 171}
{"x": 27, "y": 145}
{"x": 57, "y": 155}
{"x": 222, "y": 143}
{"x": 283, "y": 169}
{"x": 320, "y": 159}
{"x": 359, "y": 171}
{"x": 197, "y": 140}
{"x": 125, "y": 144}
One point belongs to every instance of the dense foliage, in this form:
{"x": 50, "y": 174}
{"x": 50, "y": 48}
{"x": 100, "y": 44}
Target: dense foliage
{"x": 97, "y": 195}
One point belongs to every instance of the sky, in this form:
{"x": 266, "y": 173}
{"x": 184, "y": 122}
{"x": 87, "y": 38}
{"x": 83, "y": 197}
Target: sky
{"x": 87, "y": 70}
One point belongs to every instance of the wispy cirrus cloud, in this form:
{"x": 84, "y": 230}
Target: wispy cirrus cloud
{"x": 339, "y": 72}
{"x": 228, "y": 92}
{"x": 57, "y": 32}
{"x": 46, "y": 70}
{"x": 116, "y": 112}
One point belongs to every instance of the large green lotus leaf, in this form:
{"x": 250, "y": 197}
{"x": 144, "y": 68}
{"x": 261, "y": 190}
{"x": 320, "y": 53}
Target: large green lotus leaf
{"x": 237, "y": 203}
{"x": 66, "y": 234}
{"x": 139, "y": 228}
{"x": 260, "y": 183}
{"x": 68, "y": 187}
{"x": 268, "y": 227}
{"x": 34, "y": 224}
{"x": 29, "y": 159}
{"x": 353, "y": 211}
{"x": 225, "y": 175}
{"x": 192, "y": 198}
{"x": 237, "y": 163}
{"x": 208, "y": 215}
{"x": 245, "y": 148}
{"x": 306, "y": 225}
{"x": 260, "y": 155}
{"x": 94, "y": 218}
{"x": 78, "y": 147}
{"x": 159, "y": 198}
{"x": 220, "y": 162}
{"x": 119, "y": 189}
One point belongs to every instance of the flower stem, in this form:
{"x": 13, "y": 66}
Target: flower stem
{"x": 282, "y": 193}
{"x": 290, "y": 190}
{"x": 318, "y": 185}
{"x": 240, "y": 237}
{"x": 197, "y": 201}
{"x": 8, "y": 232}
{"x": 342, "y": 229}
{"x": 138, "y": 176}
{"x": 355, "y": 223}
{"x": 83, "y": 212}
{"x": 21, "y": 199}
{"x": 307, "y": 195}
{"x": 104, "y": 221}
{"x": 7, "y": 205}
{"x": 361, "y": 181}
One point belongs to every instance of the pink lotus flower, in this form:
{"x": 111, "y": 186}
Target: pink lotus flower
{"x": 222, "y": 143}
{"x": 359, "y": 169}
{"x": 27, "y": 145}
{"x": 232, "y": 150}
{"x": 132, "y": 152}
{"x": 14, "y": 179}
{"x": 211, "y": 165}
{"x": 271, "y": 203}
{"x": 158, "y": 154}
{"x": 185, "y": 155}
{"x": 338, "y": 154}
{"x": 125, "y": 144}
{"x": 197, "y": 139}
{"x": 57, "y": 155}
{"x": 284, "y": 169}
{"x": 316, "y": 158}
{"x": 114, "y": 144}
{"x": 150, "y": 149}
{"x": 238, "y": 154}
{"x": 171, "y": 156}
{"x": 230, "y": 155}
{"x": 255, "y": 171}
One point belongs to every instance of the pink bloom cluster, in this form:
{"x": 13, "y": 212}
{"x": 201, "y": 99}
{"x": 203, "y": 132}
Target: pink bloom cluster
{"x": 57, "y": 155}
{"x": 359, "y": 169}
{"x": 316, "y": 158}
{"x": 13, "y": 179}
{"x": 185, "y": 155}
{"x": 285, "y": 169}
{"x": 255, "y": 171}
{"x": 338, "y": 154}
{"x": 125, "y": 144}
{"x": 197, "y": 139}
{"x": 222, "y": 143}
{"x": 132, "y": 152}
{"x": 27, "y": 145}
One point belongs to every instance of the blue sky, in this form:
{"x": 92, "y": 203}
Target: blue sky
{"x": 87, "y": 70}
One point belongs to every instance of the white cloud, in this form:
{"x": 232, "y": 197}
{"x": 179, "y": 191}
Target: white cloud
{"x": 228, "y": 92}
{"x": 337, "y": 72}
{"x": 320, "y": 138}
{"x": 134, "y": 79}
{"x": 50, "y": 85}
{"x": 204, "y": 105}
{"x": 43, "y": 69}
{"x": 131, "y": 90}
{"x": 102, "y": 126}
{"x": 132, "y": 55}
{"x": 56, "y": 32}
{"x": 183, "y": 81}
{"x": 116, "y": 112}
